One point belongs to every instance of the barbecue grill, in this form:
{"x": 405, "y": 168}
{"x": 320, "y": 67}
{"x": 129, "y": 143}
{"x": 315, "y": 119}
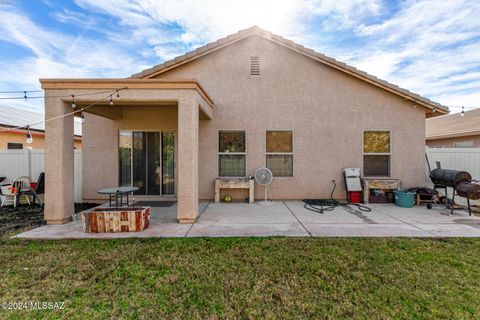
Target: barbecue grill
{"x": 460, "y": 181}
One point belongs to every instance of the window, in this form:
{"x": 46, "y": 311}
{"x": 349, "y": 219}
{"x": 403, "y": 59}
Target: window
{"x": 279, "y": 145}
{"x": 14, "y": 145}
{"x": 231, "y": 153}
{"x": 376, "y": 153}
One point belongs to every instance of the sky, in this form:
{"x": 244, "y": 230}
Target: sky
{"x": 430, "y": 47}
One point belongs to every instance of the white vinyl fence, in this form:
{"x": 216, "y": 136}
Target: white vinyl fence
{"x": 464, "y": 159}
{"x": 30, "y": 163}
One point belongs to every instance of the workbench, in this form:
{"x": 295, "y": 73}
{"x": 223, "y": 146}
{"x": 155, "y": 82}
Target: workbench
{"x": 381, "y": 184}
{"x": 235, "y": 183}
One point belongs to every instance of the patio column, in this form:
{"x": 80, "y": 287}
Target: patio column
{"x": 59, "y": 193}
{"x": 187, "y": 189}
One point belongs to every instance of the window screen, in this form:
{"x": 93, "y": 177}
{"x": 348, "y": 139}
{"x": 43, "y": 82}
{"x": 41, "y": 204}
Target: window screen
{"x": 231, "y": 153}
{"x": 279, "y": 152}
{"x": 376, "y": 153}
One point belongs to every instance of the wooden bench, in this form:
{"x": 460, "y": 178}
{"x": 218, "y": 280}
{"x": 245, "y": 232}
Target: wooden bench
{"x": 234, "y": 183}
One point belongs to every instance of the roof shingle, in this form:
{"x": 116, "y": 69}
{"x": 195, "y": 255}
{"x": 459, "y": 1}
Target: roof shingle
{"x": 454, "y": 125}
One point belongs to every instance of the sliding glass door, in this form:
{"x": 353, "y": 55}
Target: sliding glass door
{"x": 168, "y": 163}
{"x": 147, "y": 161}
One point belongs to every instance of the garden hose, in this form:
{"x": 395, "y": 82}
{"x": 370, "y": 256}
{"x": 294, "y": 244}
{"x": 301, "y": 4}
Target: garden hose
{"x": 322, "y": 205}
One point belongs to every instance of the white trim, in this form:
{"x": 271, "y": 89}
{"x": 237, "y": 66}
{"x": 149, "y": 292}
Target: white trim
{"x": 389, "y": 154}
{"x": 282, "y": 153}
{"x": 231, "y": 153}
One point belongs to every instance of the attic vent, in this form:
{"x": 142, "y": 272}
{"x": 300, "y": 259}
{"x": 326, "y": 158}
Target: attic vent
{"x": 254, "y": 66}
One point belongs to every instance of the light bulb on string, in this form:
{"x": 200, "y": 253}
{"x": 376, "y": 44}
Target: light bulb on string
{"x": 25, "y": 95}
{"x": 463, "y": 112}
{"x": 29, "y": 136}
{"x": 74, "y": 103}
{"x": 111, "y": 101}
{"x": 82, "y": 119}
{"x": 118, "y": 94}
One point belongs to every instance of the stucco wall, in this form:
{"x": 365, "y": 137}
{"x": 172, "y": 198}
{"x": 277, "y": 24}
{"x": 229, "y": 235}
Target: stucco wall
{"x": 450, "y": 142}
{"x": 100, "y": 155}
{"x": 100, "y": 152}
{"x": 326, "y": 109}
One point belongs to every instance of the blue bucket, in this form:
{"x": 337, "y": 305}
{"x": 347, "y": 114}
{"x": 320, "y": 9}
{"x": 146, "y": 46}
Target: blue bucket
{"x": 404, "y": 199}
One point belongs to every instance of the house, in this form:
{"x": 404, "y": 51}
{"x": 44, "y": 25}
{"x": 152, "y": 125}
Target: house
{"x": 11, "y": 117}
{"x": 454, "y": 130}
{"x": 249, "y": 100}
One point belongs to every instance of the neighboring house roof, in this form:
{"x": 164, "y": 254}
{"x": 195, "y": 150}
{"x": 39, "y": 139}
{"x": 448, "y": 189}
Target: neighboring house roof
{"x": 213, "y": 46}
{"x": 16, "y": 117}
{"x": 454, "y": 125}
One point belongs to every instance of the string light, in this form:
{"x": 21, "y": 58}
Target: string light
{"x": 463, "y": 112}
{"x": 118, "y": 94}
{"x": 434, "y": 109}
{"x": 25, "y": 95}
{"x": 111, "y": 101}
{"x": 21, "y": 91}
{"x": 74, "y": 103}
{"x": 52, "y": 97}
{"x": 63, "y": 115}
{"x": 29, "y": 135}
{"x": 82, "y": 119}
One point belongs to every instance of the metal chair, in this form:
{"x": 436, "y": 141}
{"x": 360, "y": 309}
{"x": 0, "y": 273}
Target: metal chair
{"x": 39, "y": 188}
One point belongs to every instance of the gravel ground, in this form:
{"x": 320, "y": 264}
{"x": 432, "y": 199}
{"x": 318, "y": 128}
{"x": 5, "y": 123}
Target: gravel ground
{"x": 24, "y": 217}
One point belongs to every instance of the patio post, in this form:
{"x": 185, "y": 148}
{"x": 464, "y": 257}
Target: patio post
{"x": 59, "y": 138}
{"x": 187, "y": 189}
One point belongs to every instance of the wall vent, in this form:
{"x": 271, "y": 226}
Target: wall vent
{"x": 254, "y": 66}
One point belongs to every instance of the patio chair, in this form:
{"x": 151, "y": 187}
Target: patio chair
{"x": 23, "y": 189}
{"x": 36, "y": 188}
{"x": 13, "y": 193}
{"x": 9, "y": 195}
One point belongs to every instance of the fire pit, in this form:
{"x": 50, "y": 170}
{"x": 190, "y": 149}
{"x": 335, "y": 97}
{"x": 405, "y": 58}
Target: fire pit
{"x": 128, "y": 219}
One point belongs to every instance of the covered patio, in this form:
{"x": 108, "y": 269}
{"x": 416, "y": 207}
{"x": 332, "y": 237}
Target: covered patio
{"x": 128, "y": 104}
{"x": 286, "y": 218}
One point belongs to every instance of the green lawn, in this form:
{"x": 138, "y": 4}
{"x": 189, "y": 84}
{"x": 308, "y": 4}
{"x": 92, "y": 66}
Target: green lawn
{"x": 244, "y": 278}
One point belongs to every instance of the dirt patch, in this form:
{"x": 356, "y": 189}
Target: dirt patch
{"x": 22, "y": 218}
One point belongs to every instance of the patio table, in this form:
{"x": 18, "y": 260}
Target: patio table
{"x": 116, "y": 193}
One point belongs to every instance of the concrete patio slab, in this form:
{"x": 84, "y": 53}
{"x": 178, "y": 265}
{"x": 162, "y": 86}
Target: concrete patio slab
{"x": 286, "y": 218}
{"x": 420, "y": 214}
{"x": 246, "y": 213}
{"x": 451, "y": 230}
{"x": 163, "y": 223}
{"x": 340, "y": 215}
{"x": 245, "y": 219}
{"x": 247, "y": 230}
{"x": 366, "y": 230}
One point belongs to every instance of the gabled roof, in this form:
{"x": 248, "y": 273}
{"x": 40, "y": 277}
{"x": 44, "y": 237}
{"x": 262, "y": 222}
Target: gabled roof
{"x": 15, "y": 117}
{"x": 233, "y": 38}
{"x": 454, "y": 125}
